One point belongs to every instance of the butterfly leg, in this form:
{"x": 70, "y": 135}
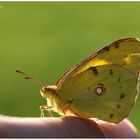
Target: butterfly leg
{"x": 44, "y": 108}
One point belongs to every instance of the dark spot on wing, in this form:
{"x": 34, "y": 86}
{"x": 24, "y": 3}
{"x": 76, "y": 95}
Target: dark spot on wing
{"x": 120, "y": 86}
{"x": 111, "y": 115}
{"x": 107, "y": 48}
{"x": 116, "y": 44}
{"x": 125, "y": 56}
{"x": 122, "y": 96}
{"x": 94, "y": 70}
{"x": 118, "y": 106}
{"x": 124, "y": 62}
{"x": 111, "y": 72}
{"x": 119, "y": 79}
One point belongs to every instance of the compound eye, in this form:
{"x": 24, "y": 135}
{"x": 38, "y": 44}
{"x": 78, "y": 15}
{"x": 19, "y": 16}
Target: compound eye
{"x": 43, "y": 89}
{"x": 43, "y": 92}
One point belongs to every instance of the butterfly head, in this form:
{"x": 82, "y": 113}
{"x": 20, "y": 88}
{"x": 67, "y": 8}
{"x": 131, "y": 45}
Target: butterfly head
{"x": 48, "y": 91}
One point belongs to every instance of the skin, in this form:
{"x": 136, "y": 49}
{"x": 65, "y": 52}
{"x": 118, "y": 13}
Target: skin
{"x": 64, "y": 127}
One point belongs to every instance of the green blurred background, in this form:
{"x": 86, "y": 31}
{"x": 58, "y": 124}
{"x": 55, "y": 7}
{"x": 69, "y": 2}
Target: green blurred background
{"x": 45, "y": 39}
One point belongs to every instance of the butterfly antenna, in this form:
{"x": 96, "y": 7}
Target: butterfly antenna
{"x": 30, "y": 78}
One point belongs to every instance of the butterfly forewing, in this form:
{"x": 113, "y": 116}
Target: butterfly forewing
{"x": 124, "y": 52}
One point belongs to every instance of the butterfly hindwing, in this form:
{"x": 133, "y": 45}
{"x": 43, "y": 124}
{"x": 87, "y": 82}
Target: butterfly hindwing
{"x": 106, "y": 92}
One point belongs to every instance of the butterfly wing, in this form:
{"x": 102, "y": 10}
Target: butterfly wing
{"x": 107, "y": 92}
{"x": 125, "y": 52}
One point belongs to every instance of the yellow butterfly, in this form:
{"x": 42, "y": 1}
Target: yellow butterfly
{"x": 103, "y": 86}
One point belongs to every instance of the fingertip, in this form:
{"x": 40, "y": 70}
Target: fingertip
{"x": 124, "y": 129}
